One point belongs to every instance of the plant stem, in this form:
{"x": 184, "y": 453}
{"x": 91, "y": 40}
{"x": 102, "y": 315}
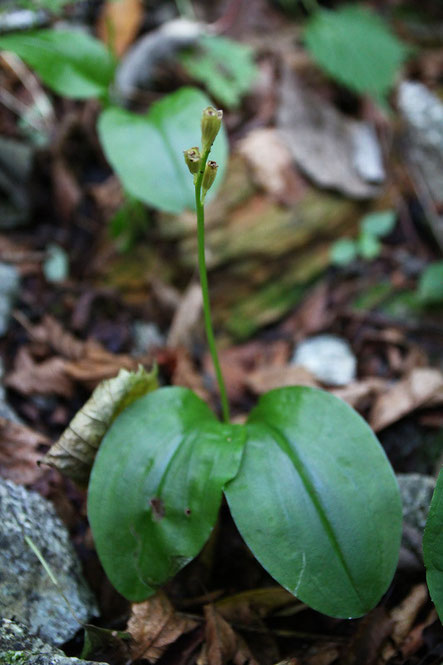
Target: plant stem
{"x": 205, "y": 288}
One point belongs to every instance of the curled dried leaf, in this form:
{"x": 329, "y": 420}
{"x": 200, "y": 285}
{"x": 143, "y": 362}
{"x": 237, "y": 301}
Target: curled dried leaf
{"x": 154, "y": 625}
{"x": 74, "y": 453}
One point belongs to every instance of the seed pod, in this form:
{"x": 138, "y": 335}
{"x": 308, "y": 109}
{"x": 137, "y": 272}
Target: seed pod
{"x": 209, "y": 176}
{"x": 192, "y": 159}
{"x": 211, "y": 123}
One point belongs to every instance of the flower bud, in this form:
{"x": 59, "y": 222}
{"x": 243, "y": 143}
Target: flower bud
{"x": 209, "y": 176}
{"x": 192, "y": 159}
{"x": 211, "y": 123}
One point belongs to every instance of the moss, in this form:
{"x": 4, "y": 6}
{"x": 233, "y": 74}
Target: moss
{"x": 14, "y": 657}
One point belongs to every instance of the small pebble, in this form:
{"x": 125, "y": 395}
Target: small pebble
{"x": 330, "y": 359}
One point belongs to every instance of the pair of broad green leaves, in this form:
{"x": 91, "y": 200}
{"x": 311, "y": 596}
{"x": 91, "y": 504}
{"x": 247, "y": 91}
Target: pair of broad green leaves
{"x": 307, "y": 483}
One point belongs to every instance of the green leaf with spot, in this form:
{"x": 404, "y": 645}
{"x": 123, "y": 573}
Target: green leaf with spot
{"x": 433, "y": 547}
{"x": 156, "y": 487}
{"x": 146, "y": 150}
{"x": 70, "y": 62}
{"x": 317, "y": 502}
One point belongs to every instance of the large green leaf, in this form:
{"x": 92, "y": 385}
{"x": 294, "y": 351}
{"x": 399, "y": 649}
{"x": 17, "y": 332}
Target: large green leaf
{"x": 224, "y": 66}
{"x": 70, "y": 62}
{"x": 146, "y": 151}
{"x": 433, "y": 547}
{"x": 156, "y": 487}
{"x": 317, "y": 501}
{"x": 354, "y": 46}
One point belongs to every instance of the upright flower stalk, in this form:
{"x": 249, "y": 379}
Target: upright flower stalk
{"x": 204, "y": 175}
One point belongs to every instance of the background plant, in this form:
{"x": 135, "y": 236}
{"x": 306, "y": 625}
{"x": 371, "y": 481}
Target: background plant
{"x": 367, "y": 246}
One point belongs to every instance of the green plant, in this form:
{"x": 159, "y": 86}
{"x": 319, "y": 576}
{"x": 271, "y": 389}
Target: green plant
{"x": 78, "y": 66}
{"x": 433, "y": 547}
{"x": 367, "y": 246}
{"x": 430, "y": 286}
{"x": 355, "y": 47}
{"x": 307, "y": 483}
{"x": 224, "y": 66}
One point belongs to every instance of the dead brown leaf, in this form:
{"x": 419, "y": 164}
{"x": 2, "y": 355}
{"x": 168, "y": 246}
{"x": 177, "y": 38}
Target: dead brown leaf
{"x": 98, "y": 364}
{"x": 247, "y": 606}
{"x": 373, "y": 631}
{"x": 268, "y": 378}
{"x": 52, "y": 334}
{"x": 19, "y": 452}
{"x": 222, "y": 645}
{"x": 326, "y": 655}
{"x": 155, "y": 625}
{"x": 185, "y": 374}
{"x": 44, "y": 378}
{"x": 360, "y": 394}
{"x": 313, "y": 314}
{"x": 119, "y": 23}
{"x": 187, "y": 317}
{"x": 422, "y": 387}
{"x": 74, "y": 452}
{"x": 272, "y": 164}
{"x": 403, "y": 617}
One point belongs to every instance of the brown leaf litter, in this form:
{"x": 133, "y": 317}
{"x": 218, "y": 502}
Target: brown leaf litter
{"x": 74, "y": 452}
{"x": 75, "y": 360}
{"x": 154, "y": 626}
{"x": 19, "y": 452}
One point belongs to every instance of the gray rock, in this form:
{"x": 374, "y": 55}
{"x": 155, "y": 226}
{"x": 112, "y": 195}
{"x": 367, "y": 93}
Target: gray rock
{"x": 19, "y": 647}
{"x": 6, "y": 411}
{"x": 367, "y": 155}
{"x": 137, "y": 68}
{"x": 16, "y": 159}
{"x": 328, "y": 358}
{"x": 423, "y": 113}
{"x": 22, "y": 19}
{"x": 9, "y": 283}
{"x": 416, "y": 492}
{"x": 321, "y": 139}
{"x": 146, "y": 336}
{"x": 26, "y": 592}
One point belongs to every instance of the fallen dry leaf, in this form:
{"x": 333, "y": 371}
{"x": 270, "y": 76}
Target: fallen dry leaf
{"x": 52, "y": 334}
{"x": 326, "y": 655}
{"x": 422, "y": 387}
{"x": 268, "y": 378}
{"x": 414, "y": 640}
{"x": 119, "y": 23}
{"x": 222, "y": 644}
{"x": 74, "y": 453}
{"x": 247, "y": 606}
{"x": 154, "y": 625}
{"x": 272, "y": 164}
{"x": 44, "y": 378}
{"x": 360, "y": 394}
{"x": 312, "y": 315}
{"x": 187, "y": 317}
{"x": 365, "y": 645}
{"x": 19, "y": 452}
{"x": 98, "y": 364}
{"x": 403, "y": 617}
{"x": 185, "y": 374}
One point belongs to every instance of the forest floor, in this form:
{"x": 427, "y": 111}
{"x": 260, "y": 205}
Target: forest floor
{"x": 134, "y": 291}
